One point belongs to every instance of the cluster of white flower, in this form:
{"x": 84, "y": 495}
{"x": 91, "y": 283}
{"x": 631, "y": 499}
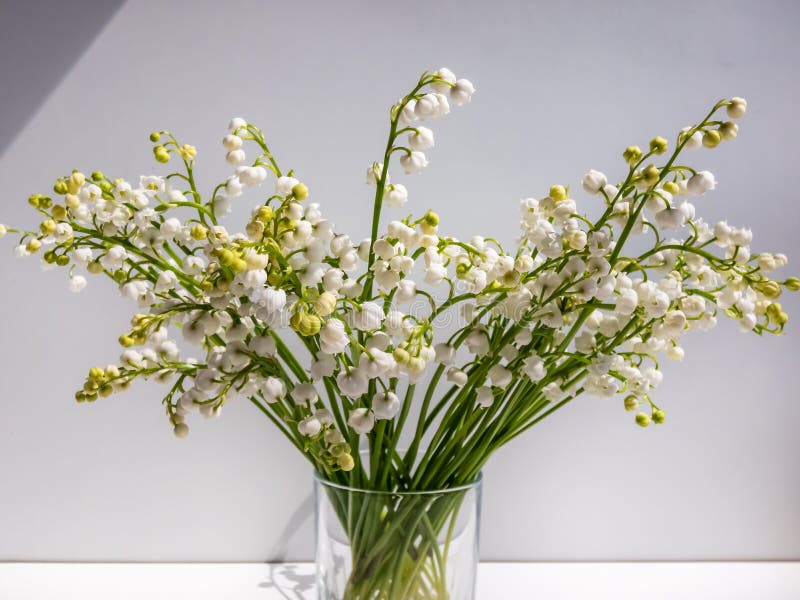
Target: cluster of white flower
{"x": 566, "y": 312}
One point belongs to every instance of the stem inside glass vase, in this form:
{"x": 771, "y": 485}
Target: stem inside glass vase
{"x": 395, "y": 545}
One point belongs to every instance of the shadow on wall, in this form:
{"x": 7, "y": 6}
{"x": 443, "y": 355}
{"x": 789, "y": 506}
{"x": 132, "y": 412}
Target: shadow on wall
{"x": 301, "y": 514}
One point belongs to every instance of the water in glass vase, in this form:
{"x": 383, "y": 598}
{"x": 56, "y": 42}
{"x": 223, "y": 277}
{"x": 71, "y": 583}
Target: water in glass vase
{"x": 374, "y": 545}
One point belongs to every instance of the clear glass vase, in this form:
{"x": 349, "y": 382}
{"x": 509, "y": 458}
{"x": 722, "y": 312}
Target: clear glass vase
{"x": 374, "y": 545}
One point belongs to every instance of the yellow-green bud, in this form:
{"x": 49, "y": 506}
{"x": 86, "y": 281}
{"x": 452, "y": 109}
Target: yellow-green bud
{"x": 62, "y": 260}
{"x": 90, "y": 397}
{"x": 48, "y": 227}
{"x": 119, "y": 276}
{"x": 61, "y": 187}
{"x": 161, "y": 154}
{"x": 155, "y": 136}
{"x": 632, "y": 154}
{"x": 642, "y": 420}
{"x": 49, "y": 257}
{"x": 188, "y": 152}
{"x": 199, "y": 232}
{"x": 672, "y": 187}
{"x": 105, "y": 391}
{"x": 774, "y": 310}
{"x": 651, "y": 174}
{"x": 59, "y": 212}
{"x": 238, "y": 265}
{"x": 97, "y": 175}
{"x": 771, "y": 289}
{"x": 325, "y": 304}
{"x": 265, "y": 214}
{"x": 300, "y": 191}
{"x": 658, "y": 145}
{"x": 309, "y": 325}
{"x": 33, "y": 245}
{"x": 511, "y": 278}
{"x": 558, "y": 193}
{"x": 94, "y": 267}
{"x": 711, "y": 138}
{"x": 34, "y": 200}
{"x": 72, "y": 201}
{"x": 631, "y": 403}
{"x": 401, "y": 356}
{"x": 728, "y": 130}
{"x": 345, "y": 462}
{"x": 659, "y": 416}
{"x": 781, "y": 318}
{"x": 106, "y": 185}
{"x": 126, "y": 341}
{"x": 792, "y": 284}
{"x": 76, "y": 180}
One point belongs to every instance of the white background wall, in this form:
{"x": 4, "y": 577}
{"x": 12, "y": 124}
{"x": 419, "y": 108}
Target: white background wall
{"x": 562, "y": 87}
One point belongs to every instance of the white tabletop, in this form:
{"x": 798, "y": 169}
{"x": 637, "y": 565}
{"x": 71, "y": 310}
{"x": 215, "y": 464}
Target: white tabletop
{"x": 506, "y": 581}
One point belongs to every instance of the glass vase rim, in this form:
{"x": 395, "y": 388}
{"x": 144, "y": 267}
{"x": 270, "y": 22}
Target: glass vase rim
{"x": 474, "y": 484}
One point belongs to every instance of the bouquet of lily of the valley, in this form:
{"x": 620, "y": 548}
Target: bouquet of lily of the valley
{"x": 341, "y": 343}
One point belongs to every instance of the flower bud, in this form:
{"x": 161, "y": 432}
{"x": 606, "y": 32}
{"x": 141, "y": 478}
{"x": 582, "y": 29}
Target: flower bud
{"x": 254, "y": 230}
{"x": 94, "y": 267}
{"x": 736, "y": 108}
{"x": 48, "y": 227}
{"x": 642, "y": 420}
{"x": 792, "y": 284}
{"x": 658, "y": 145}
{"x": 651, "y": 174}
{"x": 659, "y": 416}
{"x": 300, "y": 191}
{"x": 33, "y": 245}
{"x": 774, "y": 310}
{"x": 75, "y": 182}
{"x": 345, "y": 462}
{"x": 711, "y": 138}
{"x": 188, "y": 152}
{"x": 3, "y": 230}
{"x": 61, "y": 187}
{"x": 401, "y": 356}
{"x": 97, "y": 175}
{"x": 632, "y": 155}
{"x": 199, "y": 232}
{"x": 325, "y": 304}
{"x": 59, "y": 212}
{"x": 161, "y": 154}
{"x": 631, "y": 403}
{"x": 181, "y": 430}
{"x": 594, "y": 181}
{"x": 155, "y": 136}
{"x": 430, "y": 221}
{"x": 672, "y": 187}
{"x": 231, "y": 142}
{"x": 557, "y": 193}
{"x": 771, "y": 289}
{"x": 728, "y": 130}
{"x": 72, "y": 201}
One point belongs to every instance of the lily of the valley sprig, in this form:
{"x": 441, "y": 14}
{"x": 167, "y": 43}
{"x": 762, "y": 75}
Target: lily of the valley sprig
{"x": 568, "y": 310}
